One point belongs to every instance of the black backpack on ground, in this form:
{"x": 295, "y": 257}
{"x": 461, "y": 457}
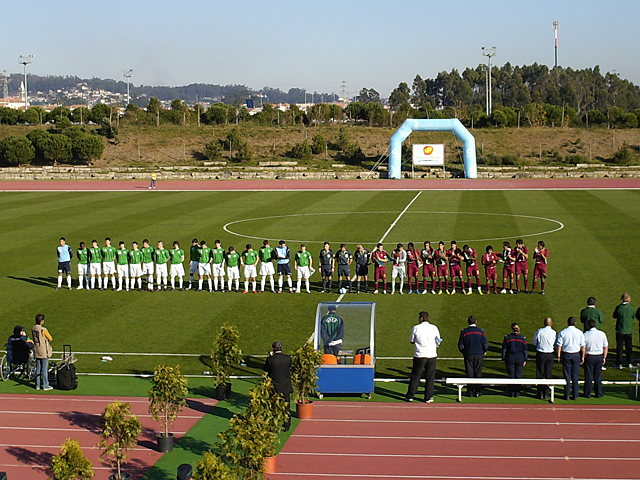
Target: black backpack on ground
{"x": 66, "y": 372}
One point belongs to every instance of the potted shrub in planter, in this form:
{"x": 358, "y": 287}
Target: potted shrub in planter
{"x": 70, "y": 463}
{"x": 225, "y": 352}
{"x": 120, "y": 432}
{"x": 210, "y": 467}
{"x": 166, "y": 400}
{"x": 304, "y": 378}
{"x": 252, "y": 436}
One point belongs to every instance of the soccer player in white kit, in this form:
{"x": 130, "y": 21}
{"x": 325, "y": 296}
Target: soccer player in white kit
{"x": 135, "y": 266}
{"x": 399, "y": 269}
{"x": 177, "y": 269}
{"x": 122, "y": 262}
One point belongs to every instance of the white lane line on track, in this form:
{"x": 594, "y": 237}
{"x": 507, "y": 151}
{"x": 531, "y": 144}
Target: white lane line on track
{"x": 474, "y": 457}
{"x": 31, "y": 465}
{"x": 429, "y": 477}
{"x": 48, "y": 429}
{"x": 472, "y": 422}
{"x": 399, "y": 217}
{"x": 79, "y": 414}
{"x": 71, "y": 399}
{"x": 473, "y": 439}
{"x": 421, "y": 188}
{"x": 568, "y": 408}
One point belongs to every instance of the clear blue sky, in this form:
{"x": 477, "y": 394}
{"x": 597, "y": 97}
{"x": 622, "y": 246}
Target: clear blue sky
{"x": 312, "y": 45}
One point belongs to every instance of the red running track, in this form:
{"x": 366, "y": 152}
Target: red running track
{"x": 32, "y": 428}
{"x": 266, "y": 185}
{"x": 348, "y": 440}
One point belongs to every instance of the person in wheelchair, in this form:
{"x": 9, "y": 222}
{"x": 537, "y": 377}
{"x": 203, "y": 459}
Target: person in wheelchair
{"x": 18, "y": 347}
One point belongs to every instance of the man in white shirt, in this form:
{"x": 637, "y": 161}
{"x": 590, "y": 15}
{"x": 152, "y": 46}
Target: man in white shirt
{"x": 426, "y": 338}
{"x": 596, "y": 350}
{"x": 544, "y": 340}
{"x": 570, "y": 348}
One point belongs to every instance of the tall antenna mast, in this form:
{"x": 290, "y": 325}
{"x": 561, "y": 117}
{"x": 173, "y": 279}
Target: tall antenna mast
{"x": 344, "y": 91}
{"x": 5, "y": 86}
{"x": 555, "y": 31}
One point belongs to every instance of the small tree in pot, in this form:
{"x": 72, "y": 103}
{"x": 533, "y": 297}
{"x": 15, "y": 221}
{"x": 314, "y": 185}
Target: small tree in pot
{"x": 70, "y": 463}
{"x": 120, "y": 432}
{"x": 225, "y": 352}
{"x": 252, "y": 436}
{"x": 304, "y": 377}
{"x": 210, "y": 467}
{"x": 167, "y": 398}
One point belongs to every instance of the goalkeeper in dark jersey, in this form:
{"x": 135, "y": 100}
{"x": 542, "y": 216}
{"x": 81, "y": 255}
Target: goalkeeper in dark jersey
{"x": 332, "y": 331}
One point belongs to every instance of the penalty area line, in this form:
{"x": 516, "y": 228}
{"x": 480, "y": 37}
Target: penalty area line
{"x": 399, "y": 217}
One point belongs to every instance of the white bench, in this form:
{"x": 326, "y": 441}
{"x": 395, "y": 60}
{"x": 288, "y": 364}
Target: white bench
{"x": 549, "y": 382}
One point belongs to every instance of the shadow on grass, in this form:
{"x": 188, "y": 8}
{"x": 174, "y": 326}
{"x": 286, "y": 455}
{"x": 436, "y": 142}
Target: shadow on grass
{"x": 385, "y": 392}
{"x": 193, "y": 445}
{"x": 39, "y": 281}
{"x": 198, "y": 406}
{"x": 41, "y": 460}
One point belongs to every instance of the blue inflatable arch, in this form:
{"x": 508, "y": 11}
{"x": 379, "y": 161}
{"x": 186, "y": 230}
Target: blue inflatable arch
{"x": 437, "y": 125}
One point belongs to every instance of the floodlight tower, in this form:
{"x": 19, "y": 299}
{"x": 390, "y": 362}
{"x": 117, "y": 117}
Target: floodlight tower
{"x": 25, "y": 60}
{"x": 128, "y": 74}
{"x": 5, "y": 86}
{"x": 555, "y": 31}
{"x": 489, "y": 52}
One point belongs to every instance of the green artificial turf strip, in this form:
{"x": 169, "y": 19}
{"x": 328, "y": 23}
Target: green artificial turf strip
{"x": 592, "y": 255}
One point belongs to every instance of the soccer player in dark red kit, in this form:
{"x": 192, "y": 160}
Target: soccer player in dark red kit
{"x": 508, "y": 271}
{"x": 489, "y": 260}
{"x": 540, "y": 257}
{"x": 440, "y": 256}
{"x": 380, "y": 259}
{"x": 428, "y": 268}
{"x": 454, "y": 254}
{"x": 413, "y": 271}
{"x": 471, "y": 260}
{"x": 522, "y": 258}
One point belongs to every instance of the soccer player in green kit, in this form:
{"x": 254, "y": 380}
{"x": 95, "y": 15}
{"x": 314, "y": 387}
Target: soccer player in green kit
{"x": 303, "y": 263}
{"x": 266, "y": 254}
{"x": 95, "y": 265}
{"x": 109, "y": 263}
{"x": 83, "y": 265}
{"x": 162, "y": 256}
{"x": 232, "y": 259}
{"x": 135, "y": 266}
{"x": 194, "y": 257}
{"x": 249, "y": 260}
{"x": 204, "y": 265}
{"x": 147, "y": 263}
{"x": 177, "y": 269}
{"x": 122, "y": 258}
{"x": 217, "y": 266}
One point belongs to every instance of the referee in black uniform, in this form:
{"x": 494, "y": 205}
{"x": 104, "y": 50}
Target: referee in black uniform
{"x": 326, "y": 266}
{"x": 473, "y": 345}
{"x": 363, "y": 260}
{"x": 344, "y": 259}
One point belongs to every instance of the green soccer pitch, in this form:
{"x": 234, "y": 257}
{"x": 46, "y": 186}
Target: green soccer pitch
{"x": 594, "y": 253}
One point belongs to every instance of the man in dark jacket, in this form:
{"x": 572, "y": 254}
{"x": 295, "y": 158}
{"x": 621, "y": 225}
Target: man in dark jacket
{"x": 278, "y": 368}
{"x": 473, "y": 345}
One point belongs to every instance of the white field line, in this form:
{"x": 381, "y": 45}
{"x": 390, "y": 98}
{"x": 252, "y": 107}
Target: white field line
{"x": 399, "y": 217}
{"x": 473, "y": 422}
{"x": 473, "y": 439}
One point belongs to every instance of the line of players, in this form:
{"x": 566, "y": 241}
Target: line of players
{"x": 211, "y": 263}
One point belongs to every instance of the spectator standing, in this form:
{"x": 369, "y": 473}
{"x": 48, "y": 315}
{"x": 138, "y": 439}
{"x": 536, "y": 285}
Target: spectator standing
{"x": 570, "y": 348}
{"x": 596, "y": 350}
{"x": 42, "y": 351}
{"x": 589, "y": 312}
{"x": 515, "y": 356}
{"x": 278, "y": 368}
{"x": 544, "y": 340}
{"x": 624, "y": 327}
{"x": 473, "y": 345}
{"x": 153, "y": 181}
{"x": 426, "y": 339}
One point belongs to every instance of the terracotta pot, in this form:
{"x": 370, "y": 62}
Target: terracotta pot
{"x": 270, "y": 465}
{"x": 304, "y": 410}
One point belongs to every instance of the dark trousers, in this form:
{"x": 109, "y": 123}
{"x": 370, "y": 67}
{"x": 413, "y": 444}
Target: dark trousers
{"x": 287, "y": 399}
{"x": 544, "y": 369}
{"x": 428, "y": 366}
{"x": 473, "y": 369}
{"x": 593, "y": 374}
{"x": 514, "y": 365}
{"x": 571, "y": 371}
{"x": 628, "y": 346}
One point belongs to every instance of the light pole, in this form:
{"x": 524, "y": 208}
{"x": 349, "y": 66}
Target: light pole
{"x": 25, "y": 60}
{"x": 128, "y": 74}
{"x": 489, "y": 52}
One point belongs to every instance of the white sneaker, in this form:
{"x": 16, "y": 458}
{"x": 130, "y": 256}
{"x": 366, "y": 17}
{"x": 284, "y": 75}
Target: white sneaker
{"x": 119, "y": 289}
{"x": 470, "y": 292}
{"x": 430, "y": 400}
{"x": 503, "y": 291}
{"x": 433, "y": 292}
{"x": 424, "y": 292}
{"x": 393, "y": 293}
{"x": 375, "y": 291}
{"x": 401, "y": 292}
{"x": 511, "y": 292}
{"x": 48, "y": 388}
{"x": 384, "y": 292}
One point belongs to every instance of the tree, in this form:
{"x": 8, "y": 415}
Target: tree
{"x": 369, "y": 95}
{"x": 304, "y": 377}
{"x": 213, "y": 150}
{"x": 120, "y": 432}
{"x": 57, "y": 148}
{"x": 16, "y": 150}
{"x": 225, "y": 352}
{"x": 100, "y": 112}
{"x": 167, "y": 395}
{"x": 210, "y": 467}
{"x": 301, "y": 150}
{"x": 318, "y": 144}
{"x": 154, "y": 106}
{"x": 87, "y": 147}
{"x": 31, "y": 116}
{"x": 238, "y": 146}
{"x": 400, "y": 95}
{"x": 70, "y": 463}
